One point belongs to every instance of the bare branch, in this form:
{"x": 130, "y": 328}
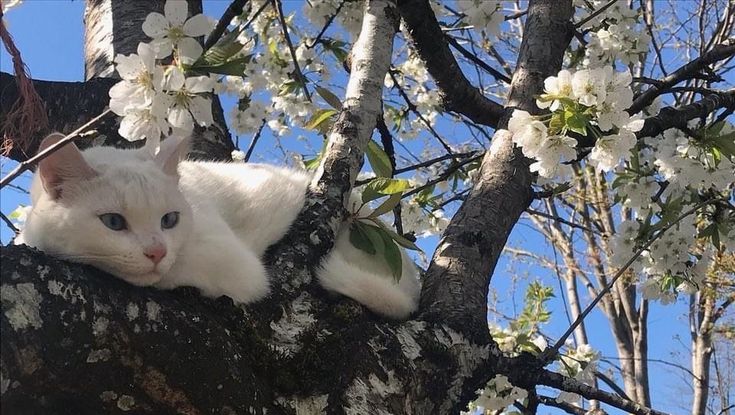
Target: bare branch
{"x": 718, "y": 53}
{"x": 457, "y": 92}
{"x": 234, "y": 9}
{"x": 477, "y": 61}
{"x": 671, "y": 117}
{"x": 564, "y": 383}
{"x": 300, "y": 78}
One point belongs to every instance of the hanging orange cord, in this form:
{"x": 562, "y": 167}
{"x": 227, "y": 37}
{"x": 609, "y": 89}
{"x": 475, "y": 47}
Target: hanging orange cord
{"x": 28, "y": 114}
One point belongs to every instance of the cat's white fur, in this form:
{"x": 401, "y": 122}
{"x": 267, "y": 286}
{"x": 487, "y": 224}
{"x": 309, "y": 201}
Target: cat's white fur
{"x": 230, "y": 213}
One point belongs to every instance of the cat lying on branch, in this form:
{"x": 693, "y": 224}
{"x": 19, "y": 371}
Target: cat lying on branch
{"x": 160, "y": 221}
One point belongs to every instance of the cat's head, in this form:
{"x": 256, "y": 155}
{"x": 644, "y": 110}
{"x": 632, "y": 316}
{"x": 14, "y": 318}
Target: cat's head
{"x": 119, "y": 210}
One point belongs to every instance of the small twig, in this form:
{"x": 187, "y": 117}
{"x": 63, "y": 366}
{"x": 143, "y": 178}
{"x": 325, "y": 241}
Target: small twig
{"x": 609, "y": 382}
{"x": 436, "y": 160}
{"x": 594, "y": 14}
{"x": 326, "y": 25}
{"x": 387, "y": 140}
{"x": 412, "y": 108}
{"x": 516, "y": 15}
{"x": 297, "y": 69}
{"x": 477, "y": 61}
{"x": 23, "y": 166}
{"x": 549, "y": 354}
{"x": 256, "y": 14}
{"x": 444, "y": 176}
{"x": 564, "y": 406}
{"x": 254, "y": 141}
{"x": 560, "y": 220}
{"x": 234, "y": 9}
{"x": 9, "y": 223}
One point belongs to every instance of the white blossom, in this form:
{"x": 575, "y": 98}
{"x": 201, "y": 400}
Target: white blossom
{"x": 172, "y": 30}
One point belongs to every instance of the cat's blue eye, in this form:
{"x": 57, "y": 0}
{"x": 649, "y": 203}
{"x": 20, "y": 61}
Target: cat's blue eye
{"x": 169, "y": 220}
{"x": 114, "y": 221}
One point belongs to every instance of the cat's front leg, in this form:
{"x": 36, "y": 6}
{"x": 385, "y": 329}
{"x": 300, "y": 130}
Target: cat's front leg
{"x": 218, "y": 263}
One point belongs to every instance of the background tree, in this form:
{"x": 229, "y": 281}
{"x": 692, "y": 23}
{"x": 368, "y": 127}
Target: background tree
{"x": 304, "y": 352}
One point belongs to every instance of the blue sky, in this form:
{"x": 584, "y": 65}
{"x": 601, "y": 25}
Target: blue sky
{"x": 49, "y": 34}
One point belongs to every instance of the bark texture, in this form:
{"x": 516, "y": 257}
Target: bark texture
{"x": 456, "y": 283}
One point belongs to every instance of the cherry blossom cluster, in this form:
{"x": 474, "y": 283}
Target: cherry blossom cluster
{"x": 156, "y": 99}
{"x": 578, "y": 363}
{"x": 587, "y": 101}
{"x": 670, "y": 173}
{"x": 497, "y": 395}
{"x": 615, "y": 35}
{"x": 483, "y": 15}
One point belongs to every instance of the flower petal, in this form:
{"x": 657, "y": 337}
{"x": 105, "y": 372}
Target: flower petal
{"x": 197, "y": 26}
{"x": 201, "y": 109}
{"x": 173, "y": 79}
{"x": 162, "y": 48}
{"x": 189, "y": 50}
{"x": 179, "y": 117}
{"x": 176, "y": 11}
{"x": 129, "y": 66}
{"x": 147, "y": 56}
{"x": 199, "y": 84}
{"x": 155, "y": 25}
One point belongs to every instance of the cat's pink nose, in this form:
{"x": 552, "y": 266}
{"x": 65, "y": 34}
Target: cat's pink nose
{"x": 155, "y": 253}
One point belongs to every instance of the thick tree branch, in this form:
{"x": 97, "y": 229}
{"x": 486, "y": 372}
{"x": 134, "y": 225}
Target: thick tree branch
{"x": 555, "y": 380}
{"x": 324, "y": 208}
{"x": 675, "y": 117}
{"x": 456, "y": 283}
{"x": 716, "y": 54}
{"x": 457, "y": 92}
{"x": 71, "y": 104}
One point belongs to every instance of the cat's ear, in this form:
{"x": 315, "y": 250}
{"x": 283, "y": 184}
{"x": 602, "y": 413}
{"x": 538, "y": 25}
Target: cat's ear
{"x": 66, "y": 164}
{"x": 170, "y": 153}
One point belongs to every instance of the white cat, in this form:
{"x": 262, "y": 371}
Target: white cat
{"x": 153, "y": 220}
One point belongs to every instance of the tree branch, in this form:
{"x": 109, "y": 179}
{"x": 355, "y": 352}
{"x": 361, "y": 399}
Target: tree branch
{"x": 234, "y": 9}
{"x": 456, "y": 283}
{"x": 674, "y": 117}
{"x": 324, "y": 208}
{"x": 717, "y": 53}
{"x": 457, "y": 92}
{"x": 558, "y": 381}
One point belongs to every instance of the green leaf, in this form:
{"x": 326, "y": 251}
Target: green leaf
{"x": 556, "y": 123}
{"x": 234, "y": 67}
{"x": 726, "y": 144}
{"x": 387, "y": 206}
{"x": 17, "y": 212}
{"x": 576, "y": 122}
{"x": 379, "y": 160}
{"x": 223, "y": 50}
{"x": 386, "y": 186}
{"x": 360, "y": 240}
{"x": 396, "y": 237}
{"x": 392, "y": 255}
{"x": 329, "y": 97}
{"x": 314, "y": 163}
{"x": 336, "y": 47}
{"x": 319, "y": 117}
{"x": 369, "y": 194}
